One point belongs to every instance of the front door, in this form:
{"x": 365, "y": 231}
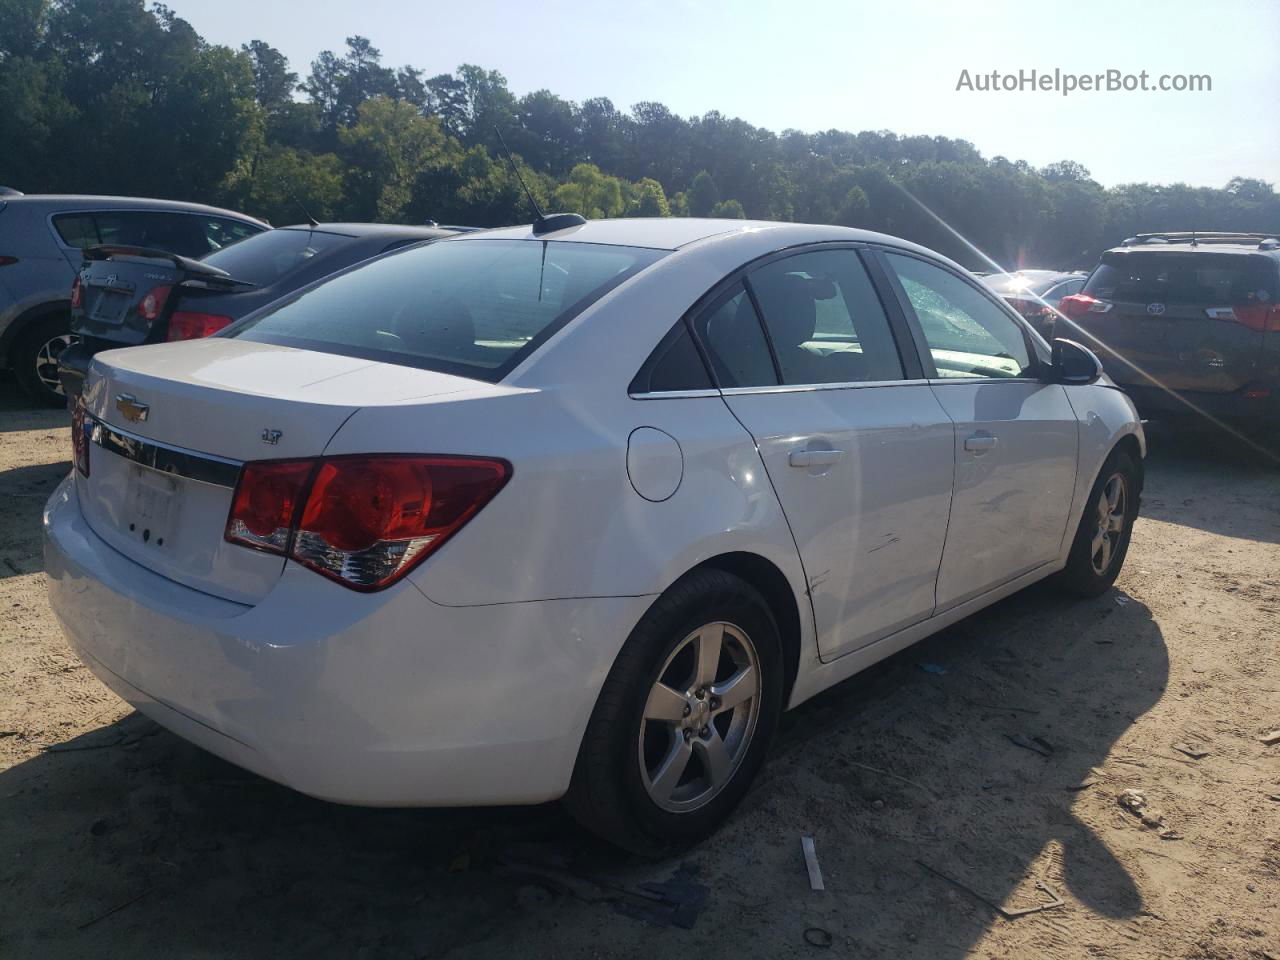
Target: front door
{"x": 1016, "y": 437}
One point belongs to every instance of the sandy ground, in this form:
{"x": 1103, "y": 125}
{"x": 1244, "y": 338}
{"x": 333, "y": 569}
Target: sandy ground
{"x": 118, "y": 839}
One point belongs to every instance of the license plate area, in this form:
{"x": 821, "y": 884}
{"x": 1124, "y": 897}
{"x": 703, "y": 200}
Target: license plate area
{"x": 152, "y": 504}
{"x": 107, "y": 305}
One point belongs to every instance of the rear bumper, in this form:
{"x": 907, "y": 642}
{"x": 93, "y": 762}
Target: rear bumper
{"x": 1237, "y": 407}
{"x": 383, "y": 699}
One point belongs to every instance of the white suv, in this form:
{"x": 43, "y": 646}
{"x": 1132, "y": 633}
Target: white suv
{"x": 534, "y": 513}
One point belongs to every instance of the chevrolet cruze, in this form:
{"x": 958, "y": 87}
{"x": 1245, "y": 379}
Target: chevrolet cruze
{"x": 573, "y": 510}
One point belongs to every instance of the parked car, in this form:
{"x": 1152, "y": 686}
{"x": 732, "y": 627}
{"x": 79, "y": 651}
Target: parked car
{"x": 125, "y": 296}
{"x": 540, "y": 512}
{"x": 1189, "y": 323}
{"x": 41, "y": 240}
{"x": 1035, "y": 293}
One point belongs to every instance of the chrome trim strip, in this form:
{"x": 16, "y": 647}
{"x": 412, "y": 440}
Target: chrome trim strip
{"x": 177, "y": 461}
{"x": 815, "y": 387}
{"x": 674, "y": 394}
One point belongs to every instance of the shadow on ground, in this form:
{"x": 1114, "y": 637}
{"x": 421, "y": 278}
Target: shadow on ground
{"x": 126, "y": 841}
{"x": 1200, "y": 477}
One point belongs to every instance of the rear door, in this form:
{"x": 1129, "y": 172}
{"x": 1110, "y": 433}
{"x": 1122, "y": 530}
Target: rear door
{"x": 855, "y": 444}
{"x": 1180, "y": 318}
{"x": 1015, "y": 437}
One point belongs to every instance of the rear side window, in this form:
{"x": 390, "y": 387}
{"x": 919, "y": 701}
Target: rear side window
{"x": 675, "y": 364}
{"x": 266, "y": 257}
{"x": 733, "y": 337}
{"x": 179, "y": 233}
{"x": 1190, "y": 278}
{"x": 825, "y": 319}
{"x": 475, "y": 308}
{"x": 76, "y": 229}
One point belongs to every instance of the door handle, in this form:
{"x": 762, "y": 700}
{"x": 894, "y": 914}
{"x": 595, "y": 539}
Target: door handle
{"x": 815, "y": 458}
{"x": 981, "y": 442}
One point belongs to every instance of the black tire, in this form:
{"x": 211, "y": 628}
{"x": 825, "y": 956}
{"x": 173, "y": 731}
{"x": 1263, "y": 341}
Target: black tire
{"x": 608, "y": 794}
{"x": 33, "y": 359}
{"x": 1082, "y": 574}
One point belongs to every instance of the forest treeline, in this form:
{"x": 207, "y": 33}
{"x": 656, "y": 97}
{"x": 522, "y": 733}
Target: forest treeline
{"x": 109, "y": 96}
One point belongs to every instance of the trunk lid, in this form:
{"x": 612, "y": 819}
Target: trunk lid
{"x": 172, "y": 423}
{"x": 1166, "y": 318}
{"x": 115, "y": 283}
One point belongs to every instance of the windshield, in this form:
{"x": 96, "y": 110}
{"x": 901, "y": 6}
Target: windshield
{"x": 1034, "y": 282}
{"x": 267, "y": 257}
{"x": 1192, "y": 278}
{"x": 475, "y": 308}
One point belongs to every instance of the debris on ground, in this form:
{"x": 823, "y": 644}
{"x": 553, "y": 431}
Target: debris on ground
{"x": 1009, "y": 914}
{"x": 670, "y": 903}
{"x": 811, "y": 863}
{"x": 1135, "y": 802}
{"x": 932, "y": 668}
{"x": 1270, "y": 738}
{"x": 1034, "y": 744}
{"x": 818, "y": 937}
{"x": 1195, "y": 753}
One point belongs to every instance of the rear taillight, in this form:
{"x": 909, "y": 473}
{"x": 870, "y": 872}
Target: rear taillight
{"x": 268, "y": 497}
{"x": 79, "y": 437}
{"x": 150, "y": 306}
{"x": 1078, "y": 304}
{"x": 77, "y": 294}
{"x": 184, "y": 325}
{"x": 366, "y": 520}
{"x": 1263, "y": 317}
{"x": 8, "y": 261}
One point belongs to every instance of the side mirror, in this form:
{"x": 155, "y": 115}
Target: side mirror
{"x": 1073, "y": 364}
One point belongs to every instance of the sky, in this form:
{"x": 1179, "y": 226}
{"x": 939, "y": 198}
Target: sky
{"x": 853, "y": 65}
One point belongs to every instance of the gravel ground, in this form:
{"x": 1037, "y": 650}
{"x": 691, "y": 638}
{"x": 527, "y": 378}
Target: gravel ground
{"x": 119, "y": 839}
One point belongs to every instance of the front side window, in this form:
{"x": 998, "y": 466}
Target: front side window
{"x": 825, "y": 320}
{"x": 968, "y": 335}
{"x": 475, "y": 308}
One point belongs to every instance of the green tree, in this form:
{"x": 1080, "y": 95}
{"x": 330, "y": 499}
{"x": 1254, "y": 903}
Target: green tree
{"x": 385, "y": 148}
{"x": 728, "y": 210}
{"x": 649, "y": 200}
{"x": 704, "y": 195}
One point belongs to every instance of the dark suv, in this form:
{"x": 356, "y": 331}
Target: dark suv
{"x": 1188, "y": 322}
{"x": 41, "y": 242}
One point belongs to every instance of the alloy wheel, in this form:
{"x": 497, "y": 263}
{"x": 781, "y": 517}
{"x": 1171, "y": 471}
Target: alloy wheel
{"x": 699, "y": 717}
{"x": 47, "y": 361}
{"x": 1111, "y": 509}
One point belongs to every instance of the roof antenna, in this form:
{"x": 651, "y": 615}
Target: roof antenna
{"x": 545, "y": 223}
{"x": 311, "y": 221}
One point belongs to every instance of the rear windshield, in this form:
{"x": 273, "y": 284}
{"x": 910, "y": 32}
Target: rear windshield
{"x": 1193, "y": 278}
{"x": 267, "y": 257}
{"x": 475, "y": 308}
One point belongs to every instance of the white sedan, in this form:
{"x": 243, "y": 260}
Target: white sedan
{"x": 575, "y": 512}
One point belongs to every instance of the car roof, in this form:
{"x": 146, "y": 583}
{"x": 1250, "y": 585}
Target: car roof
{"x": 77, "y": 201}
{"x": 391, "y": 230}
{"x": 674, "y": 233}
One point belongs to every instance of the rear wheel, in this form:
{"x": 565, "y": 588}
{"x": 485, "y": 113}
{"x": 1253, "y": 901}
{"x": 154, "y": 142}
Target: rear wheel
{"x": 1102, "y": 539}
{"x": 34, "y": 359}
{"x": 683, "y": 720}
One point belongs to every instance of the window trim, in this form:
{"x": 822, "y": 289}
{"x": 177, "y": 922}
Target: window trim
{"x": 899, "y": 324}
{"x": 1039, "y": 366}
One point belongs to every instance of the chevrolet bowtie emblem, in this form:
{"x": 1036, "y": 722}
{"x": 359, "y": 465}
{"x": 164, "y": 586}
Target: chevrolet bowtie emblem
{"x": 128, "y": 405}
